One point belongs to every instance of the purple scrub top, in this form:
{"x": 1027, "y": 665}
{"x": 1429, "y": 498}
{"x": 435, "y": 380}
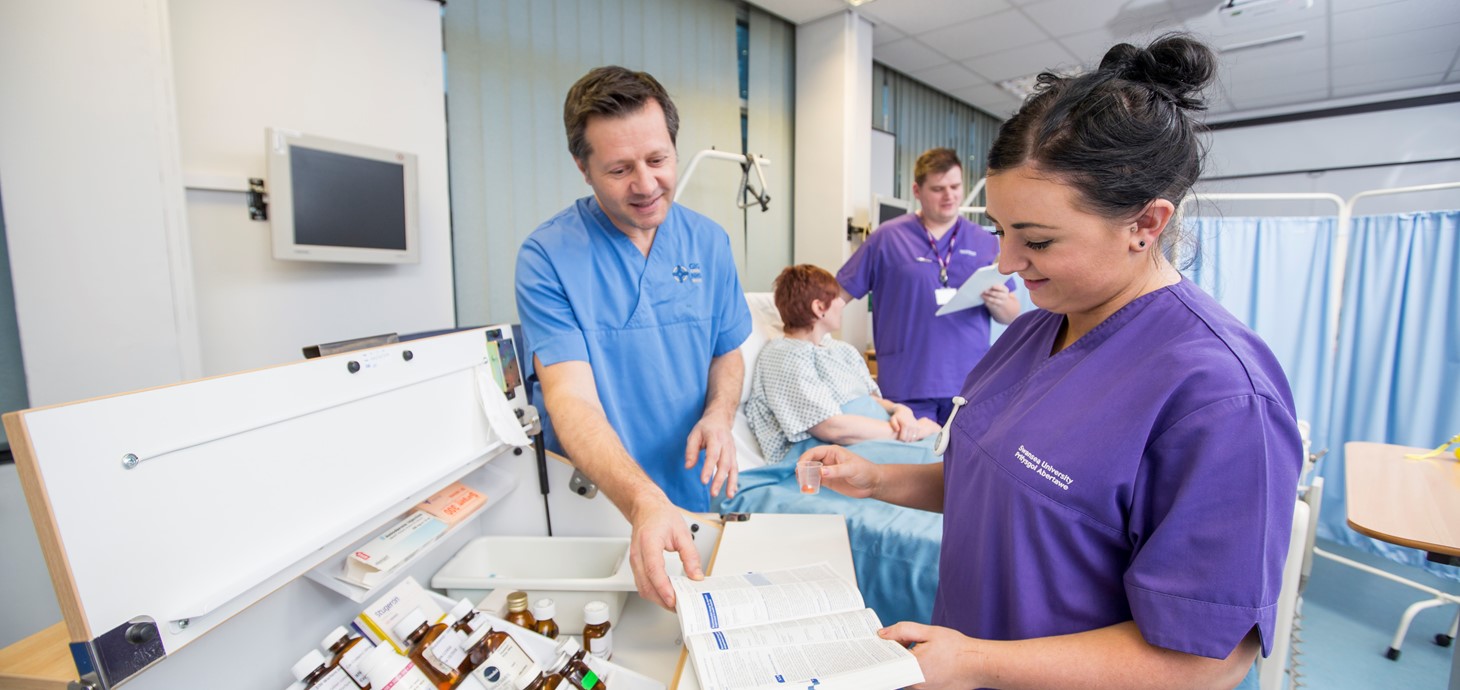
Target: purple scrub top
{"x": 1147, "y": 472}
{"x": 920, "y": 355}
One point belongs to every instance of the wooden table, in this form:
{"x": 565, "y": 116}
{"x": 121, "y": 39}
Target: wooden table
{"x": 1413, "y": 503}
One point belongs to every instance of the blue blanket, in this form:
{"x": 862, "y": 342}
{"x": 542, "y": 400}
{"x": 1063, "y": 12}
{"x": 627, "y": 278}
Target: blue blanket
{"x": 894, "y": 549}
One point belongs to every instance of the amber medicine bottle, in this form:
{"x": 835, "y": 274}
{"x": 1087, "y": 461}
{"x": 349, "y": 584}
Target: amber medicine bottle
{"x": 417, "y": 634}
{"x": 517, "y": 611}
{"x": 543, "y": 611}
{"x": 597, "y": 631}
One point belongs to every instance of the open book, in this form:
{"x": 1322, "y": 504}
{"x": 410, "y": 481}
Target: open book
{"x": 789, "y": 629}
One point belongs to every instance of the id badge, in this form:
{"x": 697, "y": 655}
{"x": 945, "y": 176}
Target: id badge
{"x": 944, "y": 295}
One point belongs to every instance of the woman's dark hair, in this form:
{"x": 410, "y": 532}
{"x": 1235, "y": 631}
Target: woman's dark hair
{"x": 1121, "y": 135}
{"x": 796, "y": 288}
{"x": 612, "y": 91}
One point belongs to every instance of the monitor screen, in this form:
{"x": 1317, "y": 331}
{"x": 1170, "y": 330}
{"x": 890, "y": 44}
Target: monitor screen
{"x": 332, "y": 200}
{"x": 886, "y": 208}
{"x": 347, "y": 201}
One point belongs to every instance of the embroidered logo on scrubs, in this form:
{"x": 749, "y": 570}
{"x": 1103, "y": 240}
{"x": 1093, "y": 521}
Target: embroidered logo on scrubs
{"x": 691, "y": 273}
{"x": 968, "y": 252}
{"x": 1032, "y": 462}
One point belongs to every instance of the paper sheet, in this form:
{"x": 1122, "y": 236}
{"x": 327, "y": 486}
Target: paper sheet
{"x": 970, "y": 294}
{"x": 499, "y": 412}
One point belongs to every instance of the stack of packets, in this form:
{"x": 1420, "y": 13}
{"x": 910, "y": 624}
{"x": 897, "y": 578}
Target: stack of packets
{"x": 370, "y": 564}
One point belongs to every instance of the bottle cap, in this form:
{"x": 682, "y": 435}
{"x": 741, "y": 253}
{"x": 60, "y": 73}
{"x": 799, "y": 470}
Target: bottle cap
{"x": 569, "y": 646}
{"x": 405, "y": 626}
{"x": 376, "y": 657}
{"x": 529, "y": 674}
{"x": 517, "y": 601}
{"x": 476, "y": 635}
{"x": 544, "y": 609}
{"x": 307, "y": 664}
{"x": 334, "y": 637}
{"x": 595, "y": 613}
{"x": 461, "y": 608}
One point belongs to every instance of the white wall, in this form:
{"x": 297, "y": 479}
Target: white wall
{"x": 1301, "y": 156}
{"x": 368, "y": 72}
{"x": 93, "y": 198}
{"x": 833, "y": 149}
{"x": 104, "y": 105}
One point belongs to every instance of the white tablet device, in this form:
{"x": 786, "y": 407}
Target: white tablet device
{"x": 970, "y": 294}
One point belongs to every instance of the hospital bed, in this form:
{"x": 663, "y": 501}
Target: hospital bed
{"x": 895, "y": 549}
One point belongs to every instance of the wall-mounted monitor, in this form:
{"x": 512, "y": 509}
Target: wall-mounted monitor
{"x": 333, "y": 200}
{"x": 885, "y": 208}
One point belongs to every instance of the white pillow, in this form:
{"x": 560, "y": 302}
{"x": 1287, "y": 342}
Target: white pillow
{"x": 765, "y": 326}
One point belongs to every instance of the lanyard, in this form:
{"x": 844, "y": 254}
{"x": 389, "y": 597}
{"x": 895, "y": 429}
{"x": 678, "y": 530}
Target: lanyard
{"x": 946, "y": 257}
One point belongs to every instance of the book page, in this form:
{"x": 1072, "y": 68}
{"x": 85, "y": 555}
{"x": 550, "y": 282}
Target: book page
{"x": 837, "y": 626}
{"x": 736, "y": 601}
{"x": 863, "y": 664}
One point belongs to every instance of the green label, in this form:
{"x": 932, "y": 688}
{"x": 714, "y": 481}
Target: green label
{"x": 590, "y": 679}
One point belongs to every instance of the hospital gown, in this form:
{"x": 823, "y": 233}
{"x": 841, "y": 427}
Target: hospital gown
{"x": 649, "y": 326}
{"x": 797, "y": 385}
{"x": 1146, "y": 472}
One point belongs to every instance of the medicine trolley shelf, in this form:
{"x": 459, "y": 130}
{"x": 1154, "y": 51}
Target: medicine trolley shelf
{"x": 491, "y": 482}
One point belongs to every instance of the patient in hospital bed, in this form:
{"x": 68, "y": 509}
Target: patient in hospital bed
{"x": 807, "y": 389}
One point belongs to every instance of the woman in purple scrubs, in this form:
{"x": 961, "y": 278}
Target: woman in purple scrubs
{"x": 1117, "y": 492}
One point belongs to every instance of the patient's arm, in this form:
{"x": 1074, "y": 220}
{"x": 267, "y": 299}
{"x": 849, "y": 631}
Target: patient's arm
{"x": 846, "y": 429}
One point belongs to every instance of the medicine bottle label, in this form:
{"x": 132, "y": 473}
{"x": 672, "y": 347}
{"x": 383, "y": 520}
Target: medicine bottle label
{"x": 509, "y": 658}
{"x": 353, "y": 661}
{"x": 448, "y": 649}
{"x": 601, "y": 647}
{"x": 407, "y": 679}
{"x": 334, "y": 680}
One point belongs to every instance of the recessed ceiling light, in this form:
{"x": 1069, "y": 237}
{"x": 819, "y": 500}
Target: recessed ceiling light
{"x": 858, "y": 3}
{"x": 1271, "y": 40}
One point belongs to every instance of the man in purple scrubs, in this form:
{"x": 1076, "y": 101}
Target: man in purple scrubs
{"x": 912, "y": 265}
{"x": 1117, "y": 497}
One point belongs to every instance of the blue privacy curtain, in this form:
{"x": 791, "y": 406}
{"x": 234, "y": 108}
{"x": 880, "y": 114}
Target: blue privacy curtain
{"x": 1398, "y": 361}
{"x": 1273, "y": 274}
{"x": 1399, "y": 334}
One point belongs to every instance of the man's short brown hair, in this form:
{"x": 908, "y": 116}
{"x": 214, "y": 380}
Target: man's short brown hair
{"x": 935, "y": 162}
{"x": 612, "y": 91}
{"x": 797, "y": 287}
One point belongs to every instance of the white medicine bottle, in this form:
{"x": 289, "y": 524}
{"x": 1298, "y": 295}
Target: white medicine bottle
{"x": 390, "y": 671}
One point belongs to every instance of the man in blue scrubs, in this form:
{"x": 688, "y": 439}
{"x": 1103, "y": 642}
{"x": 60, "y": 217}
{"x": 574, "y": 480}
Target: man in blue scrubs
{"x": 634, "y": 313}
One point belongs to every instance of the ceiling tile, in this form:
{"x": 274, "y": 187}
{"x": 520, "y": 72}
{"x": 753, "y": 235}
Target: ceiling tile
{"x": 1412, "y": 82}
{"x": 1235, "y": 69}
{"x": 1066, "y": 17}
{"x": 908, "y": 55}
{"x": 949, "y": 77}
{"x": 918, "y": 16}
{"x": 1417, "y": 64}
{"x": 984, "y": 35}
{"x": 1279, "y": 98}
{"x": 1030, "y": 59}
{"x": 990, "y": 99}
{"x": 885, "y": 33}
{"x": 1091, "y": 46}
{"x": 1392, "y": 19}
{"x": 1396, "y": 46}
{"x": 1295, "y": 82}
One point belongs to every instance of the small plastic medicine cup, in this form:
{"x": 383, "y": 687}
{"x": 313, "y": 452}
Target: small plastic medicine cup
{"x": 808, "y": 475}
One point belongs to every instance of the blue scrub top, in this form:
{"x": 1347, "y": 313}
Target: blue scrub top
{"x": 1147, "y": 472}
{"x": 649, "y": 326}
{"x": 921, "y": 355}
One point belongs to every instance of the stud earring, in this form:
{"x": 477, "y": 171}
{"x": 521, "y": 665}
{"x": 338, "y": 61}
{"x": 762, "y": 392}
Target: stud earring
{"x": 1143, "y": 244}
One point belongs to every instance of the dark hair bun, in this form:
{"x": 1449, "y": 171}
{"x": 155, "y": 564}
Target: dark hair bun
{"x": 1175, "y": 66}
